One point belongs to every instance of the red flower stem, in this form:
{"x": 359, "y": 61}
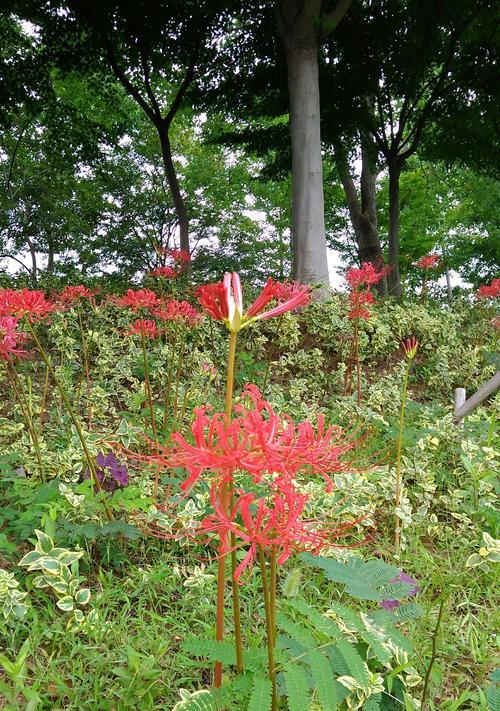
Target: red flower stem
{"x": 16, "y": 387}
{"x": 272, "y": 591}
{"x": 85, "y": 358}
{"x": 398, "y": 458}
{"x": 358, "y": 367}
{"x": 147, "y": 386}
{"x": 71, "y": 414}
{"x": 180, "y": 363}
{"x": 270, "y": 615}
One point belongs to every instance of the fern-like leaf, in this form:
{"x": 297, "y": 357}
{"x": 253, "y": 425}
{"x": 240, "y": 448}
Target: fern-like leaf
{"x": 260, "y": 699}
{"x": 357, "y": 667}
{"x": 409, "y": 611}
{"x": 324, "y": 681}
{"x": 297, "y": 688}
{"x": 493, "y": 697}
{"x": 296, "y": 631}
{"x": 373, "y": 703}
{"x": 320, "y": 622}
{"x": 210, "y": 650}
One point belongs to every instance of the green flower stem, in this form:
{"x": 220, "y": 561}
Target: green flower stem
{"x": 70, "y": 412}
{"x": 270, "y": 610}
{"x": 272, "y": 591}
{"x": 169, "y": 380}
{"x": 44, "y": 401}
{"x": 398, "y": 457}
{"x": 25, "y": 409}
{"x": 180, "y": 363}
{"x": 85, "y": 358}
{"x": 358, "y": 367}
{"x": 147, "y": 385}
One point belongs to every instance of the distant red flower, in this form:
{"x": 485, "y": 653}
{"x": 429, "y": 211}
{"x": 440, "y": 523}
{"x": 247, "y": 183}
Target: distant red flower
{"x": 26, "y": 302}
{"x": 429, "y": 261}
{"x": 10, "y": 338}
{"x": 165, "y": 272}
{"x": 410, "y": 347}
{"x": 179, "y": 255}
{"x": 141, "y": 326}
{"x": 136, "y": 299}
{"x": 359, "y": 303}
{"x": 366, "y": 276}
{"x": 495, "y": 322}
{"x": 71, "y": 294}
{"x": 174, "y": 310}
{"x": 489, "y": 291}
{"x": 224, "y": 301}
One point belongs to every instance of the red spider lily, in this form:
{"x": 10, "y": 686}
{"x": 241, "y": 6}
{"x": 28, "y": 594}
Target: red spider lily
{"x": 10, "y": 338}
{"x": 366, "y": 276}
{"x": 177, "y": 311}
{"x": 179, "y": 255}
{"x": 143, "y": 327}
{"x": 359, "y": 302}
{"x": 224, "y": 302}
{"x": 257, "y": 441}
{"x": 136, "y": 299}
{"x": 429, "y": 261}
{"x": 26, "y": 302}
{"x": 410, "y": 347}
{"x": 166, "y": 272}
{"x": 489, "y": 291}
{"x": 71, "y": 294}
{"x": 286, "y": 290}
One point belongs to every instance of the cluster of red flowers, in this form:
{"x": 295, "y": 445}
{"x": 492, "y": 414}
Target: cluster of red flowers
{"x": 180, "y": 311}
{"x": 73, "y": 294}
{"x": 360, "y": 297}
{"x": 10, "y": 338}
{"x": 224, "y": 300}
{"x": 143, "y": 327}
{"x": 489, "y": 291}
{"x": 179, "y": 259}
{"x": 428, "y": 261}
{"x": 266, "y": 458}
{"x": 26, "y": 302}
{"x": 136, "y": 299}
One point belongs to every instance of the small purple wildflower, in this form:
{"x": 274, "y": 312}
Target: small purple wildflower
{"x": 110, "y": 473}
{"x": 393, "y": 604}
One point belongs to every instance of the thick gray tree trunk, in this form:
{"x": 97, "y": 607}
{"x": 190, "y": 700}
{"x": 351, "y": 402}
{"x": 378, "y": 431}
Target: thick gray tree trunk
{"x": 308, "y": 214}
{"x": 302, "y": 24}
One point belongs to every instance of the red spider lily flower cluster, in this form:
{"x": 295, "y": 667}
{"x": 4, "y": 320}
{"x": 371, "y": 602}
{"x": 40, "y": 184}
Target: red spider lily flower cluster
{"x": 489, "y": 291}
{"x": 267, "y": 457}
{"x": 224, "y": 301}
{"x": 359, "y": 304}
{"x": 136, "y": 299}
{"x": 165, "y": 272}
{"x": 410, "y": 347}
{"x": 143, "y": 327}
{"x": 73, "y": 294}
{"x": 26, "y": 302}
{"x": 10, "y": 338}
{"x": 428, "y": 261}
{"x": 360, "y": 297}
{"x": 180, "y": 311}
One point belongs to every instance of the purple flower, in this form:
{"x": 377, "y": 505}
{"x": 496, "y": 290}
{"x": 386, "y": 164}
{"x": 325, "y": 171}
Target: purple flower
{"x": 393, "y": 604}
{"x": 110, "y": 473}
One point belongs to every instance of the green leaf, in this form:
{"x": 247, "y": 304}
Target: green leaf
{"x": 82, "y": 596}
{"x": 45, "y": 543}
{"x": 210, "y": 649}
{"x": 69, "y": 557}
{"x": 65, "y": 603}
{"x": 49, "y": 565}
{"x": 356, "y": 665}
{"x": 261, "y": 697}
{"x": 324, "y": 681}
{"x": 297, "y": 688}
{"x": 29, "y": 558}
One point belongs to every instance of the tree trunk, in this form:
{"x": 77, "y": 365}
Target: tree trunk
{"x": 363, "y": 216}
{"x": 308, "y": 221}
{"x": 34, "y": 268}
{"x": 173, "y": 183}
{"x": 393, "y": 278}
{"x": 50, "y": 257}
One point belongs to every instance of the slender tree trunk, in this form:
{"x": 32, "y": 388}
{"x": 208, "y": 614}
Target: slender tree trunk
{"x": 363, "y": 216}
{"x": 393, "y": 278}
{"x": 34, "y": 268}
{"x": 173, "y": 182}
{"x": 50, "y": 258}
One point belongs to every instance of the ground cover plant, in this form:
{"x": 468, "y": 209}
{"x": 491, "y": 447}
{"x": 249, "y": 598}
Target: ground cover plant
{"x": 198, "y": 514}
